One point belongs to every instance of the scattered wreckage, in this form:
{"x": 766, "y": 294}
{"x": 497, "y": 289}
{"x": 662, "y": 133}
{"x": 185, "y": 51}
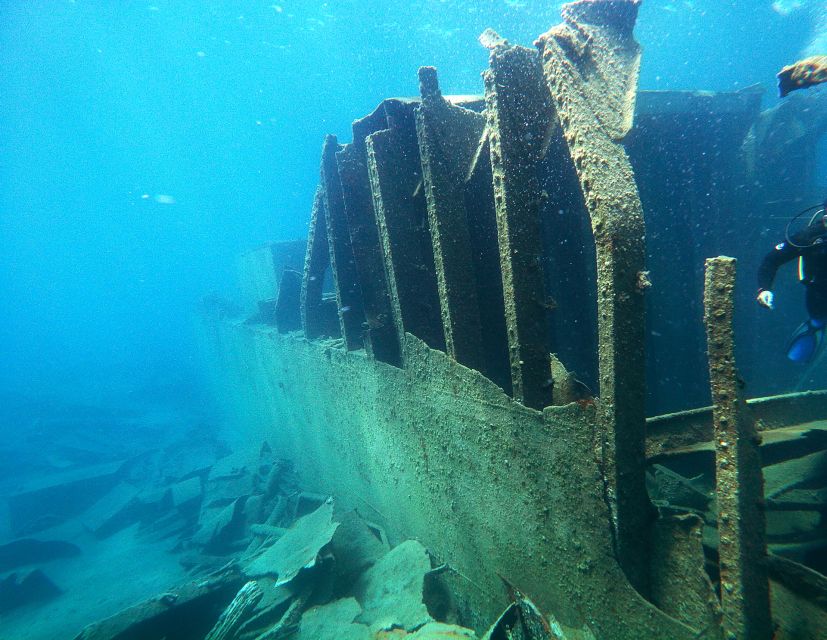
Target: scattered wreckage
{"x": 325, "y": 577}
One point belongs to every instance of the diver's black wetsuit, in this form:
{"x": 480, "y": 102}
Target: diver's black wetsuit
{"x": 812, "y": 249}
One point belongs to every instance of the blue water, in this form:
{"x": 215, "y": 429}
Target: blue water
{"x": 144, "y": 145}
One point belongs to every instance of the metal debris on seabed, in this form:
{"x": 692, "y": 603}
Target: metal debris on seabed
{"x": 523, "y": 620}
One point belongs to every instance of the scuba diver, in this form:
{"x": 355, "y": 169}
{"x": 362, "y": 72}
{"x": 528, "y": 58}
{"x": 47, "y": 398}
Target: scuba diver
{"x": 810, "y": 247}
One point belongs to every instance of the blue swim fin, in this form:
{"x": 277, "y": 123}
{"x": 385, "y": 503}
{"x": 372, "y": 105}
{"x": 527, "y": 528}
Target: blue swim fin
{"x": 806, "y": 341}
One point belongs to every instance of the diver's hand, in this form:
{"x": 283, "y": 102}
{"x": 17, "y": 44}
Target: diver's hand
{"x": 765, "y": 299}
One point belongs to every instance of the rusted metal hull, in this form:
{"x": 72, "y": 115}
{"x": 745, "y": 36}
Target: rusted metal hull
{"x": 430, "y": 405}
{"x": 437, "y": 452}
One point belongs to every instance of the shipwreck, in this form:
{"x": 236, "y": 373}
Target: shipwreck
{"x": 464, "y": 347}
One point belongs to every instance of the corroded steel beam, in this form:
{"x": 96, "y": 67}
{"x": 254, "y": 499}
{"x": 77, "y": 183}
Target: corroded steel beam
{"x": 448, "y": 137}
{"x": 381, "y": 336}
{"x": 739, "y": 485}
{"x": 591, "y": 64}
{"x": 519, "y": 112}
{"x": 395, "y": 173}
{"x": 342, "y": 263}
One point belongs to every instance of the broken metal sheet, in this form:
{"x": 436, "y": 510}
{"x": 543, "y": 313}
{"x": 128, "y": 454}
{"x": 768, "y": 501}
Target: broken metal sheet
{"x": 504, "y": 626}
{"x": 186, "y": 492}
{"x": 538, "y": 626}
{"x": 431, "y": 631}
{"x": 673, "y": 489}
{"x": 56, "y": 497}
{"x": 334, "y": 621}
{"x": 195, "y": 606}
{"x": 193, "y": 455}
{"x": 680, "y": 584}
{"x": 228, "y": 479}
{"x": 254, "y": 509}
{"x": 566, "y": 388}
{"x": 116, "y": 510}
{"x": 306, "y": 502}
{"x": 19, "y": 553}
{"x": 298, "y": 549}
{"x": 355, "y": 546}
{"x": 288, "y": 623}
{"x": 437, "y": 631}
{"x": 34, "y": 586}
{"x": 522, "y": 620}
{"x": 217, "y": 527}
{"x": 167, "y": 526}
{"x": 238, "y": 611}
{"x": 391, "y": 590}
{"x": 274, "y": 603}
